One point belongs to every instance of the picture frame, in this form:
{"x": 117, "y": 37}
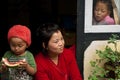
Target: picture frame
{"x": 89, "y": 28}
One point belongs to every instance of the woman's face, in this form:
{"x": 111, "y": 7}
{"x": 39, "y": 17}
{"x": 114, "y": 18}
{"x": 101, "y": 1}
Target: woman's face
{"x": 18, "y": 46}
{"x": 56, "y": 44}
{"x": 100, "y": 11}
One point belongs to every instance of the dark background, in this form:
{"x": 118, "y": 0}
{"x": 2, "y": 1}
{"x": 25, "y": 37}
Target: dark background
{"x": 33, "y": 13}
{"x": 69, "y": 14}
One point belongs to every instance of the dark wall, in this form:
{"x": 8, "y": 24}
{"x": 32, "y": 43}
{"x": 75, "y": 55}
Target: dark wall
{"x": 32, "y": 13}
{"x": 80, "y": 34}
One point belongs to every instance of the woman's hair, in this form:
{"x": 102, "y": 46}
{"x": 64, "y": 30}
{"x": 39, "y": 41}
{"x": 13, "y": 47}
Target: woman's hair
{"x": 44, "y": 34}
{"x": 107, "y": 2}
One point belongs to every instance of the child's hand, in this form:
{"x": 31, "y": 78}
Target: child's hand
{"x": 23, "y": 63}
{"x": 3, "y": 67}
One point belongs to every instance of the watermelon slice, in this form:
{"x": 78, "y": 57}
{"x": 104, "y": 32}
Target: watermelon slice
{"x": 9, "y": 64}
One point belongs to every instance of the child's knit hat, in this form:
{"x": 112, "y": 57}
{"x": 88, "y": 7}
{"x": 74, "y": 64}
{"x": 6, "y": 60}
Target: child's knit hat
{"x": 20, "y": 31}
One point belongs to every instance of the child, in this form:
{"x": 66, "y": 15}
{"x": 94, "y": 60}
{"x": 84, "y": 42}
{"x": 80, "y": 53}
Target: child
{"x": 101, "y": 13}
{"x": 19, "y": 38}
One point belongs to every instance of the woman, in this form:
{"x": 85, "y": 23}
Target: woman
{"x": 54, "y": 62}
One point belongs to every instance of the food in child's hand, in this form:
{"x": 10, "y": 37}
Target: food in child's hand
{"x": 10, "y": 64}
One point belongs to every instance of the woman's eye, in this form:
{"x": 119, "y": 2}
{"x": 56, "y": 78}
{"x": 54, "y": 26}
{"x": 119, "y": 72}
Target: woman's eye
{"x": 56, "y": 41}
{"x": 62, "y": 39}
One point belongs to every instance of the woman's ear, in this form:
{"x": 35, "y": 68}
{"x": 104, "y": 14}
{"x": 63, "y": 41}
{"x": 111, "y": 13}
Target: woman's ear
{"x": 43, "y": 44}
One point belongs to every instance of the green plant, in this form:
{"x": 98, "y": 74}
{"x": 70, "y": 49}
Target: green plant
{"x": 111, "y": 59}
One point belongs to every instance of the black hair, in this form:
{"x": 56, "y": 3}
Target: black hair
{"x": 44, "y": 33}
{"x": 107, "y": 2}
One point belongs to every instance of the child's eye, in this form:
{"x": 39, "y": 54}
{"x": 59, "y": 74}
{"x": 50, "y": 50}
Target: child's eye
{"x": 96, "y": 9}
{"x": 103, "y": 10}
{"x": 20, "y": 45}
{"x": 14, "y": 45}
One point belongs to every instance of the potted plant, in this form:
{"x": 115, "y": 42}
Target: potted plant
{"x": 111, "y": 62}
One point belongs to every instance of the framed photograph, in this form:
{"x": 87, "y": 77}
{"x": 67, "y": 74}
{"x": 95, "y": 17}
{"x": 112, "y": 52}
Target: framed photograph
{"x": 90, "y": 28}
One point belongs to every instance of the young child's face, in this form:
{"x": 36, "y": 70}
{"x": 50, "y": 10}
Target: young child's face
{"x": 100, "y": 11}
{"x": 17, "y": 45}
